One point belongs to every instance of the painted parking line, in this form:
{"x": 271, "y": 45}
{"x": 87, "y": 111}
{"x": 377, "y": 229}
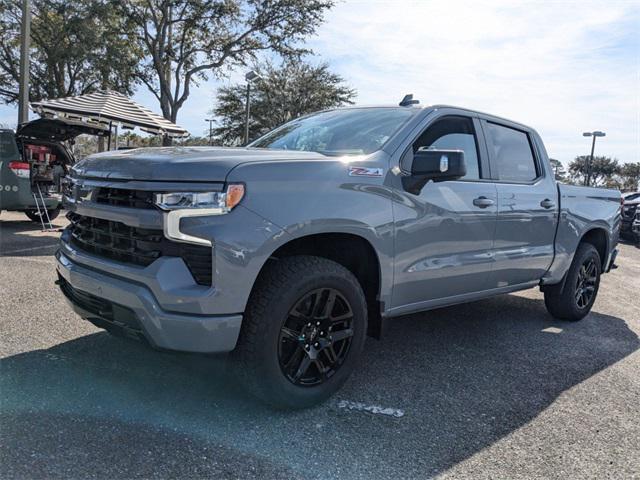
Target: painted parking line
{"x": 374, "y": 409}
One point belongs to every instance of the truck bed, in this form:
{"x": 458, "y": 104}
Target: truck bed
{"x": 583, "y": 209}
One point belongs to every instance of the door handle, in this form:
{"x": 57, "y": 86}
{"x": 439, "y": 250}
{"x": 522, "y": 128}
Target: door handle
{"x": 483, "y": 202}
{"x": 546, "y": 203}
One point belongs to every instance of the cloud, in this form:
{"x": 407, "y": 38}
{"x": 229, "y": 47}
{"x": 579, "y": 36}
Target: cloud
{"x": 562, "y": 68}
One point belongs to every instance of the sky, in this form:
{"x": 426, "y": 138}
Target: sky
{"x": 560, "y": 67}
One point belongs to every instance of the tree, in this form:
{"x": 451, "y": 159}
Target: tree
{"x": 76, "y": 47}
{"x": 284, "y": 92}
{"x": 630, "y": 177}
{"x": 558, "y": 169}
{"x": 188, "y": 41}
{"x": 603, "y": 170}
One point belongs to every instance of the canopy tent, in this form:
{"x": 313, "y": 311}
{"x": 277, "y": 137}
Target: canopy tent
{"x": 107, "y": 108}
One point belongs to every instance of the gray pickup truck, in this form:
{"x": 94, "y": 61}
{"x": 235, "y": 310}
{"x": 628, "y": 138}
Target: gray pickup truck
{"x": 288, "y": 252}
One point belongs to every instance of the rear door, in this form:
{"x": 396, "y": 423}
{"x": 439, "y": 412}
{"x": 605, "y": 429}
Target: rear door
{"x": 527, "y": 205}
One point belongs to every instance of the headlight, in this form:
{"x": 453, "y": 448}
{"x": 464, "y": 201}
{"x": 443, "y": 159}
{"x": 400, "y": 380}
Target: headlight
{"x": 179, "y": 205}
{"x": 217, "y": 202}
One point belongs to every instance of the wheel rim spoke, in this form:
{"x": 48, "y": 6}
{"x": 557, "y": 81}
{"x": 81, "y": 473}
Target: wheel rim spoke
{"x": 330, "y": 303}
{"x": 331, "y": 354}
{"x": 289, "y": 333}
{"x": 342, "y": 334}
{"x": 294, "y": 360}
{"x": 302, "y": 368}
{"x": 318, "y": 304}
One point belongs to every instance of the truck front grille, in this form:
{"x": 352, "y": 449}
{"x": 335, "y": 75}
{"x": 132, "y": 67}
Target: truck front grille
{"x": 629, "y": 211}
{"x": 137, "y": 246}
{"x": 121, "y": 197}
{"x": 115, "y": 318}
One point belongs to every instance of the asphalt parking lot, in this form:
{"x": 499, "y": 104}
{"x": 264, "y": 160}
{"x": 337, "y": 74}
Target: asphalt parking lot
{"x": 492, "y": 389}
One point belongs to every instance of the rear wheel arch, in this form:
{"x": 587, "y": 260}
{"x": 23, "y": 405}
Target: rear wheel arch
{"x": 599, "y": 238}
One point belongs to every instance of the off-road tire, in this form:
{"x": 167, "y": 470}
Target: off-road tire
{"x": 34, "y": 217}
{"x": 560, "y": 299}
{"x": 277, "y": 290}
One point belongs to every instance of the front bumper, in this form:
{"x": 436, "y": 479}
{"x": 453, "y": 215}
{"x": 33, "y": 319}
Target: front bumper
{"x": 123, "y": 306}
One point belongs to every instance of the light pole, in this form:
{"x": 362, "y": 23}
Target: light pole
{"x": 594, "y": 134}
{"x": 210, "y": 120}
{"x": 25, "y": 40}
{"x": 249, "y": 77}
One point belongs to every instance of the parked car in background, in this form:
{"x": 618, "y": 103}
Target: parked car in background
{"x": 635, "y": 226}
{"x": 290, "y": 251}
{"x": 33, "y": 163}
{"x": 629, "y": 210}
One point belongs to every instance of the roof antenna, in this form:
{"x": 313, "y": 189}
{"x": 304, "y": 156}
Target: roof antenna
{"x": 408, "y": 100}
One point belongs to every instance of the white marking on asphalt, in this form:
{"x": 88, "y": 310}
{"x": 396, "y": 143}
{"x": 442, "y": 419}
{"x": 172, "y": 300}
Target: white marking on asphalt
{"x": 31, "y": 249}
{"x": 552, "y": 330}
{"x": 375, "y": 409}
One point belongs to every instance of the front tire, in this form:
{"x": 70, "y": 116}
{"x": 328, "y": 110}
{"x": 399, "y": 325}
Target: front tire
{"x": 302, "y": 333}
{"x": 34, "y": 217}
{"x": 574, "y": 301}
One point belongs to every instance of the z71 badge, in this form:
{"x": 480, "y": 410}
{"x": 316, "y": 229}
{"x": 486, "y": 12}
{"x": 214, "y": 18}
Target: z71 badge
{"x": 365, "y": 172}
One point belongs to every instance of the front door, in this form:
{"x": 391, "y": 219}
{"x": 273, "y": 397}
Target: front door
{"x": 444, "y": 235}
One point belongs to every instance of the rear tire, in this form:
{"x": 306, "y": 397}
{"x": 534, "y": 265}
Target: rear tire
{"x": 34, "y": 217}
{"x": 302, "y": 333}
{"x": 574, "y": 301}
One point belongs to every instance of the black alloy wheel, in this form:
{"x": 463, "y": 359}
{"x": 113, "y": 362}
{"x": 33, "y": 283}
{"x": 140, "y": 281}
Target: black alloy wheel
{"x": 302, "y": 332}
{"x": 573, "y": 298}
{"x": 586, "y": 283}
{"x": 315, "y": 337}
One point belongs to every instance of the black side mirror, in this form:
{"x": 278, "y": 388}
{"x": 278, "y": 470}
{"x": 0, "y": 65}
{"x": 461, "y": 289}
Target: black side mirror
{"x": 436, "y": 165}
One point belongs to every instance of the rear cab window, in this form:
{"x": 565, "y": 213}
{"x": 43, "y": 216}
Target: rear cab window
{"x": 512, "y": 154}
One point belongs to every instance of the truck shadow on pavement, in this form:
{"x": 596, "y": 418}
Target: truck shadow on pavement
{"x": 465, "y": 377}
{"x": 25, "y": 238}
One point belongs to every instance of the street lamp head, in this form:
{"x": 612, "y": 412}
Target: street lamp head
{"x": 597, "y": 133}
{"x": 252, "y": 76}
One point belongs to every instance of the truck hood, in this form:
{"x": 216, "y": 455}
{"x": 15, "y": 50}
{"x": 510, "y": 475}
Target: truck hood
{"x": 189, "y": 164}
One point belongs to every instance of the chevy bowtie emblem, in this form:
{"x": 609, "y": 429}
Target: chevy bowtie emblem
{"x": 365, "y": 172}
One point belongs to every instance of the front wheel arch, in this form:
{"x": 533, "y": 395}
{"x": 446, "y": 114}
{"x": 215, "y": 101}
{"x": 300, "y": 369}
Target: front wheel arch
{"x": 353, "y": 252}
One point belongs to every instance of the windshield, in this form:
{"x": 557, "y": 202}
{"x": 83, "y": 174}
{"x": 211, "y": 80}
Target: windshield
{"x": 352, "y": 131}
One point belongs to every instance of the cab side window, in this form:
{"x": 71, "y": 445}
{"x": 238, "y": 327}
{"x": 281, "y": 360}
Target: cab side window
{"x": 453, "y": 133}
{"x": 512, "y": 153}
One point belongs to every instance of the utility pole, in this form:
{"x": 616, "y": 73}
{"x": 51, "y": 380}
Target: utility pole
{"x": 210, "y": 120}
{"x": 249, "y": 77}
{"x": 25, "y": 41}
{"x": 246, "y": 115}
{"x": 595, "y": 134}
